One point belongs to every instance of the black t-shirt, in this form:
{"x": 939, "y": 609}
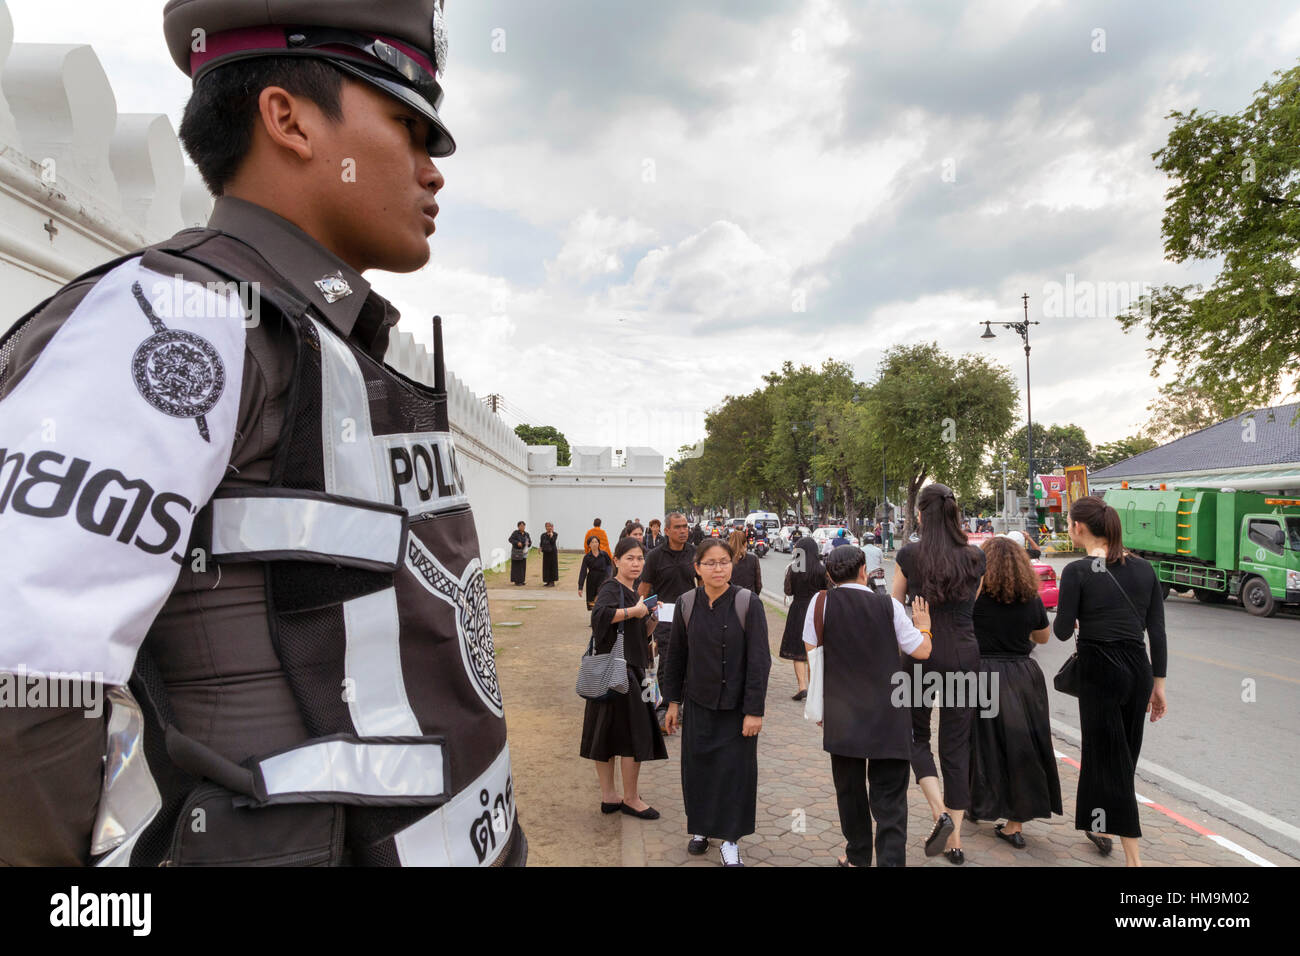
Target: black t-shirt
{"x": 1004, "y": 628}
{"x": 669, "y": 573}
{"x": 1094, "y": 599}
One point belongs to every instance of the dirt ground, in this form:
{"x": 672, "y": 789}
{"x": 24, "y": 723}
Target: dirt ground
{"x": 537, "y": 663}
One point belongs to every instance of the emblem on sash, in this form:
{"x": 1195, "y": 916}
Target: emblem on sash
{"x": 179, "y": 373}
{"x": 468, "y": 596}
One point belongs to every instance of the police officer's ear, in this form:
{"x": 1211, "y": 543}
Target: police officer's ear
{"x": 290, "y": 122}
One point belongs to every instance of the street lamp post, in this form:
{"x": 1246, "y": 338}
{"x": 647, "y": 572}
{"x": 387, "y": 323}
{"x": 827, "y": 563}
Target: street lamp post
{"x": 1022, "y": 328}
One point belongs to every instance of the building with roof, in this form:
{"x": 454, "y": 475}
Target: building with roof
{"x": 1254, "y": 451}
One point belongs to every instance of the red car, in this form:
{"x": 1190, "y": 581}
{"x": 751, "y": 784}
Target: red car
{"x": 1047, "y": 589}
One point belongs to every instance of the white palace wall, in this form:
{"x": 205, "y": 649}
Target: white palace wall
{"x": 81, "y": 183}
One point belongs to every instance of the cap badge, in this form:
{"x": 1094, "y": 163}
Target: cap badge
{"x": 334, "y": 287}
{"x": 439, "y": 39}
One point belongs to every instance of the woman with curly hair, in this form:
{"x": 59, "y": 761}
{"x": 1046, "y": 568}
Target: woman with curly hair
{"x": 1013, "y": 763}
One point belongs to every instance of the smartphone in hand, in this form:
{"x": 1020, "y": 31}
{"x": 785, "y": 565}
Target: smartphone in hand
{"x": 651, "y": 601}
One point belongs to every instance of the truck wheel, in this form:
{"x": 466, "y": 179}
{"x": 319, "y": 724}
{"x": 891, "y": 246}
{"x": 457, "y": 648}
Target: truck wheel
{"x": 1257, "y": 598}
{"x": 1206, "y": 596}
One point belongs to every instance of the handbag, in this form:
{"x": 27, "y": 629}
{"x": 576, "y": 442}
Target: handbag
{"x": 602, "y": 676}
{"x": 650, "y": 692}
{"x": 1067, "y": 678}
{"x": 518, "y": 554}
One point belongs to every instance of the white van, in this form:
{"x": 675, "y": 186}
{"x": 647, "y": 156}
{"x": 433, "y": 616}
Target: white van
{"x": 769, "y": 518}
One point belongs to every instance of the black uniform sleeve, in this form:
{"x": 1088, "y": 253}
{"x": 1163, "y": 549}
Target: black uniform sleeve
{"x": 584, "y": 568}
{"x": 51, "y": 771}
{"x": 758, "y": 578}
{"x": 1067, "y": 606}
{"x": 674, "y": 675}
{"x": 758, "y": 659}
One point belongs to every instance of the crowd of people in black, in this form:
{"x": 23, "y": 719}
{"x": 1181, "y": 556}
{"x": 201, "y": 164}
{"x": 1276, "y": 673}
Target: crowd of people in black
{"x": 957, "y": 617}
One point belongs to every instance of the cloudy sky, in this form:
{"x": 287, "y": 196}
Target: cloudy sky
{"x": 653, "y": 205}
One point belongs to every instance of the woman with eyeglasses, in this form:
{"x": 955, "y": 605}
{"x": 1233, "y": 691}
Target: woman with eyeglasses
{"x": 716, "y": 672}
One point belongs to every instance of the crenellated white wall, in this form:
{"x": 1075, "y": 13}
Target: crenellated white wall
{"x": 81, "y": 183}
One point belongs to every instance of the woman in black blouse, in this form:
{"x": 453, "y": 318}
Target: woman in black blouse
{"x": 944, "y": 569}
{"x": 520, "y": 542}
{"x": 595, "y": 570}
{"x": 1113, "y": 596}
{"x": 717, "y": 667}
{"x": 1013, "y": 763}
{"x": 625, "y": 725}
{"x": 805, "y": 576}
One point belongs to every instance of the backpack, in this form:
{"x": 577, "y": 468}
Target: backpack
{"x": 687, "y": 601}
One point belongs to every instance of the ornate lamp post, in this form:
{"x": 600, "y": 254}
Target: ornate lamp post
{"x": 1022, "y": 328}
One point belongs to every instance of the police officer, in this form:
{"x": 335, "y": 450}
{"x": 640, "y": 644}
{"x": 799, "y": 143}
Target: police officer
{"x": 251, "y": 532}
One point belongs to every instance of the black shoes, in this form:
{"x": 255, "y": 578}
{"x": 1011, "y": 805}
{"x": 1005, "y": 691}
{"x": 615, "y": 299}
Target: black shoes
{"x": 649, "y": 813}
{"x": 802, "y": 695}
{"x": 956, "y": 857}
{"x": 939, "y": 835}
{"x": 1016, "y": 839}
{"x": 610, "y": 807}
{"x": 1103, "y": 844}
{"x": 698, "y": 846}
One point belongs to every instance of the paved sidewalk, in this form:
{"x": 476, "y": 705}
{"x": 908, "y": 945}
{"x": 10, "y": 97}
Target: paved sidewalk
{"x": 798, "y": 824}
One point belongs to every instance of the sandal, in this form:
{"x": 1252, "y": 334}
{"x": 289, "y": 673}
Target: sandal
{"x": 943, "y": 828}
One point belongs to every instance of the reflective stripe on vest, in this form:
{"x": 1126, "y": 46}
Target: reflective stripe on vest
{"x": 306, "y": 528}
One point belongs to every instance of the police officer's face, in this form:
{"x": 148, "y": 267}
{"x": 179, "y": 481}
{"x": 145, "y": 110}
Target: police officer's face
{"x": 383, "y": 215}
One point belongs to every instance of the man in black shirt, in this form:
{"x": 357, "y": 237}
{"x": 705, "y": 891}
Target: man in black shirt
{"x": 669, "y": 573}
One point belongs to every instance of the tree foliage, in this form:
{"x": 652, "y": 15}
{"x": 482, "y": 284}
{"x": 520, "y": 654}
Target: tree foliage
{"x": 546, "y": 435}
{"x": 1235, "y": 197}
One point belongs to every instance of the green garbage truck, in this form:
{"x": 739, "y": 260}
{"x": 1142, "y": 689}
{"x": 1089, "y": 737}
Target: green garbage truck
{"x": 1221, "y": 544}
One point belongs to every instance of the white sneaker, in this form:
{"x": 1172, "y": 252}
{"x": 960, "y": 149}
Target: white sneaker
{"x": 731, "y": 855}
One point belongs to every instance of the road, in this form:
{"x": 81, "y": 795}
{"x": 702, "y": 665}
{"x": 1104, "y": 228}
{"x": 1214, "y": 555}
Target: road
{"x": 1231, "y": 741}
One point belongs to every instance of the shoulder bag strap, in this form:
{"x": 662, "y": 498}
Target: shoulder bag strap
{"x": 1141, "y": 623}
{"x": 685, "y": 603}
{"x": 742, "y": 607}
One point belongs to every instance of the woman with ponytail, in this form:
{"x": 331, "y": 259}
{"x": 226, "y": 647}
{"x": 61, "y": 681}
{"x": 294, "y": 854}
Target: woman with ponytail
{"x": 946, "y": 570}
{"x": 1113, "y": 596}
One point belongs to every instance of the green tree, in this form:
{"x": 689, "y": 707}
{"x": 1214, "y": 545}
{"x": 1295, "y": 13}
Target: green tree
{"x": 937, "y": 416}
{"x": 546, "y": 435}
{"x": 1055, "y": 446}
{"x": 795, "y": 399}
{"x": 1235, "y": 197}
{"x": 1184, "y": 408}
{"x": 1116, "y": 451}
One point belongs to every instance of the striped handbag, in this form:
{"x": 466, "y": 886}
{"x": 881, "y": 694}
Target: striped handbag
{"x": 601, "y": 676}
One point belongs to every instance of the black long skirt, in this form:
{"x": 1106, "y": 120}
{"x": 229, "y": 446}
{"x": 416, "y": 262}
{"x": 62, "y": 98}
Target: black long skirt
{"x": 719, "y": 773}
{"x": 550, "y": 566}
{"x": 1114, "y": 688}
{"x": 1013, "y": 764}
{"x": 623, "y": 726}
{"x": 518, "y": 567}
{"x": 792, "y": 648}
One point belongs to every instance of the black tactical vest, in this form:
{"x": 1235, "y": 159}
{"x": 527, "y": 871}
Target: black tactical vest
{"x": 378, "y": 611}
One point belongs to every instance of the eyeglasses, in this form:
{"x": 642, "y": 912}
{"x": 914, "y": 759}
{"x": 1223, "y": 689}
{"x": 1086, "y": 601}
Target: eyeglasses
{"x": 711, "y": 565}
